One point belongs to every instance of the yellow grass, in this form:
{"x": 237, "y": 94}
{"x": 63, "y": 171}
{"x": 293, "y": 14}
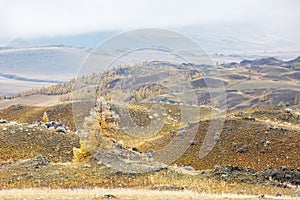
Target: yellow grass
{"x": 99, "y": 193}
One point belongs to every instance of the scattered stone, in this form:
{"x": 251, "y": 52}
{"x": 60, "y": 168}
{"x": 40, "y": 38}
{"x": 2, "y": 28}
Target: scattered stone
{"x": 50, "y": 124}
{"x": 216, "y": 138}
{"x": 37, "y": 162}
{"x": 192, "y": 142}
{"x": 155, "y": 115}
{"x": 3, "y": 121}
{"x": 188, "y": 168}
{"x": 61, "y": 129}
{"x": 266, "y": 143}
{"x": 243, "y": 149}
{"x": 224, "y": 176}
{"x": 234, "y": 145}
{"x": 109, "y": 196}
{"x": 127, "y": 162}
{"x": 136, "y": 149}
{"x": 87, "y": 166}
{"x": 120, "y": 144}
{"x": 181, "y": 133}
{"x": 249, "y": 118}
{"x": 282, "y": 175}
{"x": 217, "y": 168}
{"x": 150, "y": 153}
{"x": 252, "y": 171}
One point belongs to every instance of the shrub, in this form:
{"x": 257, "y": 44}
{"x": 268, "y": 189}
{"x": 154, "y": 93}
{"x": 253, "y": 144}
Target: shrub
{"x": 45, "y": 118}
{"x": 81, "y": 154}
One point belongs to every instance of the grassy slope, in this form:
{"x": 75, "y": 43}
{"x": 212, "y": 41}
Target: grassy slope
{"x": 91, "y": 175}
{"x": 23, "y": 142}
{"x": 19, "y": 145}
{"x": 284, "y": 148}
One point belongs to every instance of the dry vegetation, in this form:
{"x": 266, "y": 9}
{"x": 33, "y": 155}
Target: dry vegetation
{"x": 20, "y": 142}
{"x": 125, "y": 194}
{"x": 90, "y": 175}
{"x": 253, "y": 139}
{"x": 17, "y": 145}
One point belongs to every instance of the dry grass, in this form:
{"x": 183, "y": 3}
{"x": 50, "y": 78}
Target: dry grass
{"x": 18, "y": 142}
{"x": 126, "y": 194}
{"x": 89, "y": 175}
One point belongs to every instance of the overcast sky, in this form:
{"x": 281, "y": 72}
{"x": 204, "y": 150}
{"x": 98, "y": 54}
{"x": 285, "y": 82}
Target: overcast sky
{"x": 38, "y": 18}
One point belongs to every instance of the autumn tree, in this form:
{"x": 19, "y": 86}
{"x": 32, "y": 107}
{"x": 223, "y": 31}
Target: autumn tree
{"x": 45, "y": 117}
{"x": 296, "y": 101}
{"x": 97, "y": 129}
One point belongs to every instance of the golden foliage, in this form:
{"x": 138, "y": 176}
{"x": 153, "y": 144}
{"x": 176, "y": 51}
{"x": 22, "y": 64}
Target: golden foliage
{"x": 81, "y": 154}
{"x": 45, "y": 117}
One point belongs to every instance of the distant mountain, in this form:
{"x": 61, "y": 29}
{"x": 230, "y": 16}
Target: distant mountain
{"x": 50, "y": 62}
{"x": 271, "y": 61}
{"x": 296, "y": 60}
{"x": 259, "y": 62}
{"x": 89, "y": 40}
{"x": 213, "y": 38}
{"x": 20, "y": 78}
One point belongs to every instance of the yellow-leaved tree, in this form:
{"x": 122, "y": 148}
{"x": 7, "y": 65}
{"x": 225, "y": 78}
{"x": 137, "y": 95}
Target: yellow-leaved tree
{"x": 45, "y": 117}
{"x": 97, "y": 128}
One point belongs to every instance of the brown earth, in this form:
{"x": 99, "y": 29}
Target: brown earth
{"x": 20, "y": 142}
{"x": 242, "y": 141}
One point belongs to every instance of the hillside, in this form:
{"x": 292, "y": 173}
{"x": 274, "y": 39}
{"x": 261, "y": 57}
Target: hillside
{"x": 248, "y": 83}
{"x": 122, "y": 120}
{"x": 241, "y": 143}
{"x": 215, "y": 173}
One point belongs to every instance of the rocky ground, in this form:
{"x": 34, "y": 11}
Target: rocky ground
{"x": 25, "y": 141}
{"x": 39, "y": 172}
{"x": 251, "y": 156}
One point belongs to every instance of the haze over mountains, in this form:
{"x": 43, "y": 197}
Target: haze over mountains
{"x": 214, "y": 38}
{"x": 42, "y": 61}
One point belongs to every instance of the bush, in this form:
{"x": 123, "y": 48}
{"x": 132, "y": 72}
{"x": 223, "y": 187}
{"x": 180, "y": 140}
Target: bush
{"x": 81, "y": 154}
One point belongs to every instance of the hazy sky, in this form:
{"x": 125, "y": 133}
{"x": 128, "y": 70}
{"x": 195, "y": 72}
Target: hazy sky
{"x": 38, "y": 18}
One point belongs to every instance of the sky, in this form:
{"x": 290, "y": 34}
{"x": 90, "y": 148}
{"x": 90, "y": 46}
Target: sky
{"x": 51, "y": 18}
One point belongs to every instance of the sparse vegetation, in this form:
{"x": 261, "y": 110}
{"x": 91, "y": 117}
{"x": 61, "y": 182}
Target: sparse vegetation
{"x": 252, "y": 141}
